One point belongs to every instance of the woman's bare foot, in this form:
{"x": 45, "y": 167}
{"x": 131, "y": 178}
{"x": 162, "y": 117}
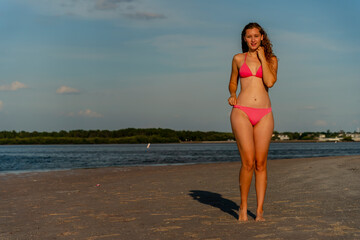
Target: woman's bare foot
{"x": 260, "y": 216}
{"x": 243, "y": 215}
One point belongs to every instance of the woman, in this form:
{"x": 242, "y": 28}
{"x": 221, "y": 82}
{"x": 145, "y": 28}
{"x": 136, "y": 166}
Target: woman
{"x": 251, "y": 118}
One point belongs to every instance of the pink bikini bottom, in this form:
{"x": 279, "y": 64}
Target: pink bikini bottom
{"x": 254, "y": 114}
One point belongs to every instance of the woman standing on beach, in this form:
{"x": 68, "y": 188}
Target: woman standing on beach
{"x": 251, "y": 118}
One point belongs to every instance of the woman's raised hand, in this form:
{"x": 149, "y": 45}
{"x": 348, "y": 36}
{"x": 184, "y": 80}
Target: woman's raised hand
{"x": 260, "y": 53}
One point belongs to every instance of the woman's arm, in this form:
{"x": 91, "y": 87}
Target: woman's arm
{"x": 233, "y": 82}
{"x": 269, "y": 68}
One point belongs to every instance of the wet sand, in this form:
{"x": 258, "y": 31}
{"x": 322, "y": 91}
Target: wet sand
{"x": 317, "y": 198}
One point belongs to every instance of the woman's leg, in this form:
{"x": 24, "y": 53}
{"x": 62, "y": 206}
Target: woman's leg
{"x": 263, "y": 131}
{"x": 243, "y": 132}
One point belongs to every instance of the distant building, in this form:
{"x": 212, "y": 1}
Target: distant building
{"x": 354, "y": 136}
{"x": 323, "y": 138}
{"x": 283, "y": 137}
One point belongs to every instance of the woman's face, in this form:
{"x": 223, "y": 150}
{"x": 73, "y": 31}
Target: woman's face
{"x": 253, "y": 38}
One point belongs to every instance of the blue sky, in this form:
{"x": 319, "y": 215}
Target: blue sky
{"x": 112, "y": 64}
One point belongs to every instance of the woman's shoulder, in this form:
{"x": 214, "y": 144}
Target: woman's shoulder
{"x": 239, "y": 57}
{"x": 273, "y": 60}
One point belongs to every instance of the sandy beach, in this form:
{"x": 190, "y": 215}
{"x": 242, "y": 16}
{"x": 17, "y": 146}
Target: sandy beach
{"x": 316, "y": 198}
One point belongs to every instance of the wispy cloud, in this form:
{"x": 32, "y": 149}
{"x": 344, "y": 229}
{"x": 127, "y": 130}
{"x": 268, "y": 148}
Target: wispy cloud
{"x": 1, "y": 105}
{"x": 13, "y": 86}
{"x": 89, "y": 113}
{"x": 309, "y": 40}
{"x": 109, "y": 4}
{"x": 66, "y": 90}
{"x": 314, "y": 40}
{"x": 320, "y": 123}
{"x": 86, "y": 113}
{"x": 173, "y": 41}
{"x": 191, "y": 49}
{"x": 97, "y": 9}
{"x": 144, "y": 15}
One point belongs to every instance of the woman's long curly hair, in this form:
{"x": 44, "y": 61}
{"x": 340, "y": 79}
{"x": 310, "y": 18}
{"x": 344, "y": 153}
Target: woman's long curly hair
{"x": 264, "y": 43}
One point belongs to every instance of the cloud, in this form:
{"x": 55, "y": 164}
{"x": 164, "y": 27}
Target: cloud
{"x": 109, "y": 4}
{"x": 13, "y": 86}
{"x": 309, "y": 39}
{"x": 194, "y": 45}
{"x": 97, "y": 9}
{"x": 193, "y": 50}
{"x": 85, "y": 113}
{"x": 89, "y": 113}
{"x": 66, "y": 90}
{"x": 144, "y": 15}
{"x": 1, "y": 105}
{"x": 313, "y": 40}
{"x": 320, "y": 123}
{"x": 173, "y": 41}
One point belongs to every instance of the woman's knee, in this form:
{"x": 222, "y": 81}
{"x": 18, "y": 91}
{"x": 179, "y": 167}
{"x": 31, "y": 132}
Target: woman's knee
{"x": 248, "y": 164}
{"x": 260, "y": 166}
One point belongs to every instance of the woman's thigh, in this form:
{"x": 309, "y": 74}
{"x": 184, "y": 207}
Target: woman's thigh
{"x": 263, "y": 131}
{"x": 244, "y": 135}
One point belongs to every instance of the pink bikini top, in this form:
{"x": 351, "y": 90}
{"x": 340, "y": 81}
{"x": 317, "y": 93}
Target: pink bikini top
{"x": 245, "y": 71}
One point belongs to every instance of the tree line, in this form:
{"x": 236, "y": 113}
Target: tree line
{"x": 136, "y": 135}
{"x": 128, "y": 135}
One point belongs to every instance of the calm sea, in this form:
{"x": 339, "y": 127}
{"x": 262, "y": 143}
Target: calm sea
{"x": 19, "y": 158}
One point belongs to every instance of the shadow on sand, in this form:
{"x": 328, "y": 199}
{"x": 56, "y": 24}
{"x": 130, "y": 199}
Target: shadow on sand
{"x": 216, "y": 200}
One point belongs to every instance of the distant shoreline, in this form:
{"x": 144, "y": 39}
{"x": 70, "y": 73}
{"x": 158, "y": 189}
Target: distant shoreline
{"x": 156, "y": 135}
{"x": 181, "y": 142}
{"x": 272, "y": 141}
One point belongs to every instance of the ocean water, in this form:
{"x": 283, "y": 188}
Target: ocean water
{"x": 24, "y": 158}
